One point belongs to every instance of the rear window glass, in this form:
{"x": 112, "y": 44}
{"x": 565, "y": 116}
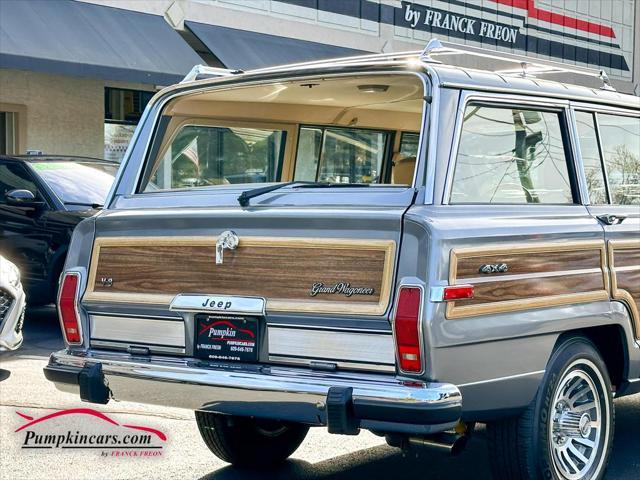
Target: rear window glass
{"x": 409, "y": 144}
{"x": 511, "y": 156}
{"x": 331, "y": 129}
{"x": 340, "y": 155}
{"x": 217, "y": 155}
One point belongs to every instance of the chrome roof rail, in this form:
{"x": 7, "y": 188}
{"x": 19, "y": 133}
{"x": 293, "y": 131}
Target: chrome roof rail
{"x": 198, "y": 72}
{"x": 389, "y": 57}
{"x": 524, "y": 66}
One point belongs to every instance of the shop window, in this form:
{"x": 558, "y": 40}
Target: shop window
{"x": 8, "y": 137}
{"x": 122, "y": 111}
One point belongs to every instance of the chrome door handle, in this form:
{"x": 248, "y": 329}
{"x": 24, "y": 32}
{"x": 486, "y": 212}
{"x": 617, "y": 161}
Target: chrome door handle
{"x": 610, "y": 219}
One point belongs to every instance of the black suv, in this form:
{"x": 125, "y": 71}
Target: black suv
{"x": 42, "y": 199}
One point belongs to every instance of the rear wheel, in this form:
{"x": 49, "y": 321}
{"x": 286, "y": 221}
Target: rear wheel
{"x": 247, "y": 442}
{"x": 566, "y": 433}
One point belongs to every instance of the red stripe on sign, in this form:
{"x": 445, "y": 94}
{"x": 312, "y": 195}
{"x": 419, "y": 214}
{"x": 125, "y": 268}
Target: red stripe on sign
{"x": 558, "y": 18}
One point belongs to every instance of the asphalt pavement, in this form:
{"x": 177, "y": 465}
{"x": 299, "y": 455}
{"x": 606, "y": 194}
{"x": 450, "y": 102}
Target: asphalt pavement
{"x": 24, "y": 389}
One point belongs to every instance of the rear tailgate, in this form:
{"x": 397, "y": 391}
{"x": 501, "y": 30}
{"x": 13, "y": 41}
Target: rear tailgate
{"x": 326, "y": 275}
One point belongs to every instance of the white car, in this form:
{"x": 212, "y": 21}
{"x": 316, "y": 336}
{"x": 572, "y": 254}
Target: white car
{"x": 12, "y": 306}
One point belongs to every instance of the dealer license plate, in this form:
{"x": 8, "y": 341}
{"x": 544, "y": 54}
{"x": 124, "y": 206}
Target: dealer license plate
{"x": 226, "y": 338}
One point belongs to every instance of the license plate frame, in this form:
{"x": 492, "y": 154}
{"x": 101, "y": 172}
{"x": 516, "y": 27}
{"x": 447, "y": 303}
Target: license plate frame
{"x": 227, "y": 338}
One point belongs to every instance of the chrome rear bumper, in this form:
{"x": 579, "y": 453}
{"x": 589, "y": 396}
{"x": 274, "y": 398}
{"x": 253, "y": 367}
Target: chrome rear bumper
{"x": 374, "y": 401}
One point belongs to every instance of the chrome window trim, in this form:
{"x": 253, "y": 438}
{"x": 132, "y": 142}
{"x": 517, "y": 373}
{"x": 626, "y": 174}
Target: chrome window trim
{"x": 603, "y": 164}
{"x": 578, "y": 165}
{"x": 158, "y": 103}
{"x": 429, "y": 129}
{"x": 558, "y": 105}
{"x": 607, "y": 109}
{"x": 605, "y": 102}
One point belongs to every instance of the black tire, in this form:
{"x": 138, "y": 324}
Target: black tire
{"x": 250, "y": 443}
{"x": 541, "y": 443}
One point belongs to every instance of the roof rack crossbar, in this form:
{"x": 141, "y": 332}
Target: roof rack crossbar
{"x": 204, "y": 71}
{"x": 528, "y": 66}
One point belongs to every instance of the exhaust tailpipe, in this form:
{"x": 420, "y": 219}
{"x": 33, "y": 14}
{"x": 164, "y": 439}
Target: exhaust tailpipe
{"x": 449, "y": 442}
{"x": 452, "y": 442}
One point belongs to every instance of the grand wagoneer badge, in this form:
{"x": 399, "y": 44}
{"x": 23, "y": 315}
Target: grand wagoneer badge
{"x": 342, "y": 288}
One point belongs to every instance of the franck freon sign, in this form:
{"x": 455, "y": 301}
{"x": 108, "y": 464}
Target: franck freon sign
{"x": 528, "y": 27}
{"x": 434, "y": 20}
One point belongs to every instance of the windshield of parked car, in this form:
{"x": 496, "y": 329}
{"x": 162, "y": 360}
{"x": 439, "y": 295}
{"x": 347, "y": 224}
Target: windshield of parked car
{"x": 79, "y": 183}
{"x": 341, "y": 130}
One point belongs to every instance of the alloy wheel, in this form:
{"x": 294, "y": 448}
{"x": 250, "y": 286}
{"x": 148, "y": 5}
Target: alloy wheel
{"x": 578, "y": 422}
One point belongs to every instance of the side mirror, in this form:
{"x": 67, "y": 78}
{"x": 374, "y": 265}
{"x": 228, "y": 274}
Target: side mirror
{"x": 23, "y": 198}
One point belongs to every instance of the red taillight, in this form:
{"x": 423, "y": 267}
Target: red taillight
{"x": 67, "y": 308}
{"x": 407, "y": 329}
{"x": 457, "y": 292}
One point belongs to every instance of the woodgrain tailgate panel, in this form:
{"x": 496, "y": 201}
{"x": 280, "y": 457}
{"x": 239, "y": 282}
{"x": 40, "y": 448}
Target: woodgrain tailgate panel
{"x": 283, "y": 270}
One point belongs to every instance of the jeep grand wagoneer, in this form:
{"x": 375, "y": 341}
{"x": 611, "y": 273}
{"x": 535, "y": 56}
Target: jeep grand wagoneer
{"x": 388, "y": 243}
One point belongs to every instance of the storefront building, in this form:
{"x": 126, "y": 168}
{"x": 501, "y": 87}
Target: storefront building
{"x": 75, "y": 75}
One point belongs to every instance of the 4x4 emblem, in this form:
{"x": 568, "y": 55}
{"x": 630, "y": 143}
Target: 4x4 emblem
{"x": 227, "y": 240}
{"x": 494, "y": 268}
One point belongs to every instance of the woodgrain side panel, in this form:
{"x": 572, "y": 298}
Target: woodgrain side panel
{"x": 534, "y": 287}
{"x": 538, "y": 275}
{"x": 538, "y": 262}
{"x": 626, "y": 257}
{"x": 624, "y": 260}
{"x": 155, "y": 269}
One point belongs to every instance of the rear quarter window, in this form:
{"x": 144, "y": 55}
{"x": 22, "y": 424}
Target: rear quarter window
{"x": 511, "y": 155}
{"x": 620, "y": 136}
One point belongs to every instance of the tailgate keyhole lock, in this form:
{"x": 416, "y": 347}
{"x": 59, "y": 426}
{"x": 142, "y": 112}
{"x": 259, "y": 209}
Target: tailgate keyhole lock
{"x": 227, "y": 240}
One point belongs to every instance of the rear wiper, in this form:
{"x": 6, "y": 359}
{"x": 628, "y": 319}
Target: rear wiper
{"x": 331, "y": 185}
{"x": 82, "y": 204}
{"x": 244, "y": 198}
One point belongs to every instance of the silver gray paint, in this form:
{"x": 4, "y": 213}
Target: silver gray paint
{"x": 497, "y": 359}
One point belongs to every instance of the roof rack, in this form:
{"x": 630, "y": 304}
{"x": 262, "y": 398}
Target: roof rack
{"x": 199, "y": 72}
{"x": 526, "y": 66}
